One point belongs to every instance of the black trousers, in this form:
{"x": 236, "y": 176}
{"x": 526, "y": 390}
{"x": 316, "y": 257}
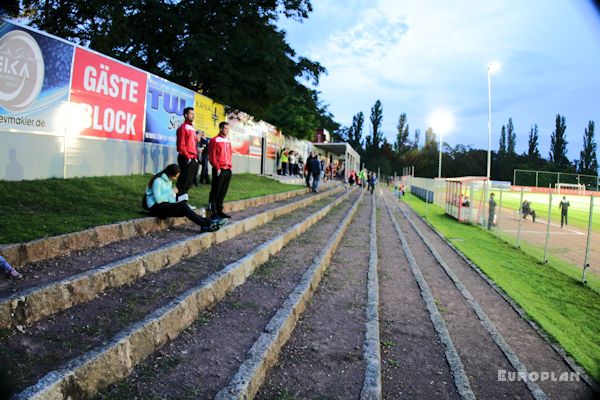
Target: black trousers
{"x": 186, "y": 177}
{"x": 181, "y": 209}
{"x": 564, "y": 219}
{"x": 204, "y": 172}
{"x": 218, "y": 190}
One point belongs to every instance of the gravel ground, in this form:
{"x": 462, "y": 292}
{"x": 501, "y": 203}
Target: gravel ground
{"x": 480, "y": 355}
{"x": 324, "y": 356}
{"x": 46, "y": 271}
{"x": 532, "y": 349}
{"x": 202, "y": 360}
{"x": 413, "y": 361}
{"x": 45, "y": 345}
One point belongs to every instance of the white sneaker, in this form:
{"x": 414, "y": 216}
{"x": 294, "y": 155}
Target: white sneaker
{"x": 192, "y": 207}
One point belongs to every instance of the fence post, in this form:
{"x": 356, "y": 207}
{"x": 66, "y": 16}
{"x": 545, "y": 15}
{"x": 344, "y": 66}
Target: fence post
{"x": 587, "y": 244}
{"x": 548, "y": 228}
{"x": 499, "y": 213}
{"x": 519, "y": 217}
{"x": 486, "y": 214}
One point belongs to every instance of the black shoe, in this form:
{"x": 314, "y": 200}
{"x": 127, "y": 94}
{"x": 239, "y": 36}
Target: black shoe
{"x": 219, "y": 221}
{"x": 223, "y": 215}
{"x": 210, "y": 227}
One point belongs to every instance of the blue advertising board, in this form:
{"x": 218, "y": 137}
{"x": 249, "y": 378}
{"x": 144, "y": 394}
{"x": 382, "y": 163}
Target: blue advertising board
{"x": 35, "y": 74}
{"x": 165, "y": 103}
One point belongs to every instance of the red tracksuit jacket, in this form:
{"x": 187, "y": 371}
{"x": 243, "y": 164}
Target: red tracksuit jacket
{"x": 219, "y": 152}
{"x": 186, "y": 141}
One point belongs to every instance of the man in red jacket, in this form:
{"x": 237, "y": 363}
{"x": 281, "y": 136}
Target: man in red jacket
{"x": 188, "y": 154}
{"x": 219, "y": 155}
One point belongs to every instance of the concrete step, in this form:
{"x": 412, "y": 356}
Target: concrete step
{"x": 114, "y": 360}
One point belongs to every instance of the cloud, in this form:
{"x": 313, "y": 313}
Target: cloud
{"x": 369, "y": 39}
{"x": 420, "y": 56}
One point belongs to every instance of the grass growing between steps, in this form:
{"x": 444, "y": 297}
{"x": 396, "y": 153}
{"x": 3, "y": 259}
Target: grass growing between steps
{"x": 40, "y": 208}
{"x": 556, "y": 301}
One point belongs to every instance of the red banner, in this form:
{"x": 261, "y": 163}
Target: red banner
{"x": 112, "y": 97}
{"x": 255, "y": 146}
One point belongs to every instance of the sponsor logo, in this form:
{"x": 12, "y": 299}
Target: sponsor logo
{"x": 21, "y": 70}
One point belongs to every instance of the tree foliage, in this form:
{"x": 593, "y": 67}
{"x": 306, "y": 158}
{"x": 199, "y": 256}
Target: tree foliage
{"x": 502, "y": 144}
{"x": 558, "y": 143}
{"x": 402, "y": 143}
{"x": 355, "y": 133}
{"x": 415, "y": 143}
{"x": 511, "y": 138}
{"x": 533, "y": 152}
{"x": 375, "y": 139}
{"x": 588, "y": 162}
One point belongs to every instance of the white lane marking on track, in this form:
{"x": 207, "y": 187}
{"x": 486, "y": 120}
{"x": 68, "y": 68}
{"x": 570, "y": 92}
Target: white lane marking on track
{"x": 543, "y": 233}
{"x": 544, "y": 222}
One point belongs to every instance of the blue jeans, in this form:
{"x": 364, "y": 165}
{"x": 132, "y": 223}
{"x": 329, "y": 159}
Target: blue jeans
{"x": 315, "y": 182}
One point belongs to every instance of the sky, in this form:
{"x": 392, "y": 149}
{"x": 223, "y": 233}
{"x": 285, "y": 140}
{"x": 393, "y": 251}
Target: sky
{"x": 419, "y": 57}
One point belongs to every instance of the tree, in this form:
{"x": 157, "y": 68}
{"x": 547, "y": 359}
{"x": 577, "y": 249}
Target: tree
{"x": 430, "y": 139}
{"x": 402, "y": 144}
{"x": 558, "y": 143}
{"x": 297, "y": 113}
{"x": 588, "y": 163}
{"x": 374, "y": 140}
{"x": 415, "y": 144}
{"x": 355, "y": 133}
{"x": 533, "y": 152}
{"x": 511, "y": 138}
{"x": 502, "y": 146}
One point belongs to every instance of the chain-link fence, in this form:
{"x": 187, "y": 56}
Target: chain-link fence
{"x": 560, "y": 230}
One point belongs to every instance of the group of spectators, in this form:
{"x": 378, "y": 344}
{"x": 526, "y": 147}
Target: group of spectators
{"x": 363, "y": 179}
{"x": 291, "y": 163}
{"x": 162, "y": 200}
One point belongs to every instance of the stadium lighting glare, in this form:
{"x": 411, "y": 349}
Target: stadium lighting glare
{"x": 441, "y": 122}
{"x": 492, "y": 68}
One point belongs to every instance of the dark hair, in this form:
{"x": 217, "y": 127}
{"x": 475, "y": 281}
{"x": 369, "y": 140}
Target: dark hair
{"x": 171, "y": 170}
{"x": 187, "y": 110}
{"x": 222, "y": 124}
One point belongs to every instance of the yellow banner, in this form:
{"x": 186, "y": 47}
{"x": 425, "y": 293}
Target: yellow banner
{"x": 208, "y": 115}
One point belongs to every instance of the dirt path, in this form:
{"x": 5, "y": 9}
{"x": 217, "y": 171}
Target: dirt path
{"x": 531, "y": 348}
{"x": 51, "y": 270}
{"x": 47, "y": 344}
{"x": 324, "y": 356}
{"x": 445, "y": 332}
{"x": 480, "y": 356}
{"x": 413, "y": 362}
{"x": 202, "y": 360}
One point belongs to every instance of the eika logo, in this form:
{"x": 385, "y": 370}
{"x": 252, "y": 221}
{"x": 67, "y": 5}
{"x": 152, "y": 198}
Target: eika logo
{"x": 21, "y": 70}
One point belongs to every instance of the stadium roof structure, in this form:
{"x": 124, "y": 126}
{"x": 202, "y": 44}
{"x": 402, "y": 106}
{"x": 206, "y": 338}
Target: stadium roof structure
{"x": 345, "y": 151}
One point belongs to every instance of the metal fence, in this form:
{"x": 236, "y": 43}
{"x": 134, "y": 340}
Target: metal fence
{"x": 570, "y": 243}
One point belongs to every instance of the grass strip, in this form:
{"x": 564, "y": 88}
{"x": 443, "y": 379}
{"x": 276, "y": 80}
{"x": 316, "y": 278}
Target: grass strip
{"x": 40, "y": 208}
{"x": 567, "y": 311}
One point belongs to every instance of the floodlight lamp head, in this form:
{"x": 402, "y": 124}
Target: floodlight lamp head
{"x": 441, "y": 121}
{"x": 494, "y": 67}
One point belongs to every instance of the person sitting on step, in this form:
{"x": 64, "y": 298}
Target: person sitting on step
{"x": 160, "y": 199}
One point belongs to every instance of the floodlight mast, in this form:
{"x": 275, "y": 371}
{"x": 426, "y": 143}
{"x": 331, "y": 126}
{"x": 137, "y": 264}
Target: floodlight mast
{"x": 492, "y": 67}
